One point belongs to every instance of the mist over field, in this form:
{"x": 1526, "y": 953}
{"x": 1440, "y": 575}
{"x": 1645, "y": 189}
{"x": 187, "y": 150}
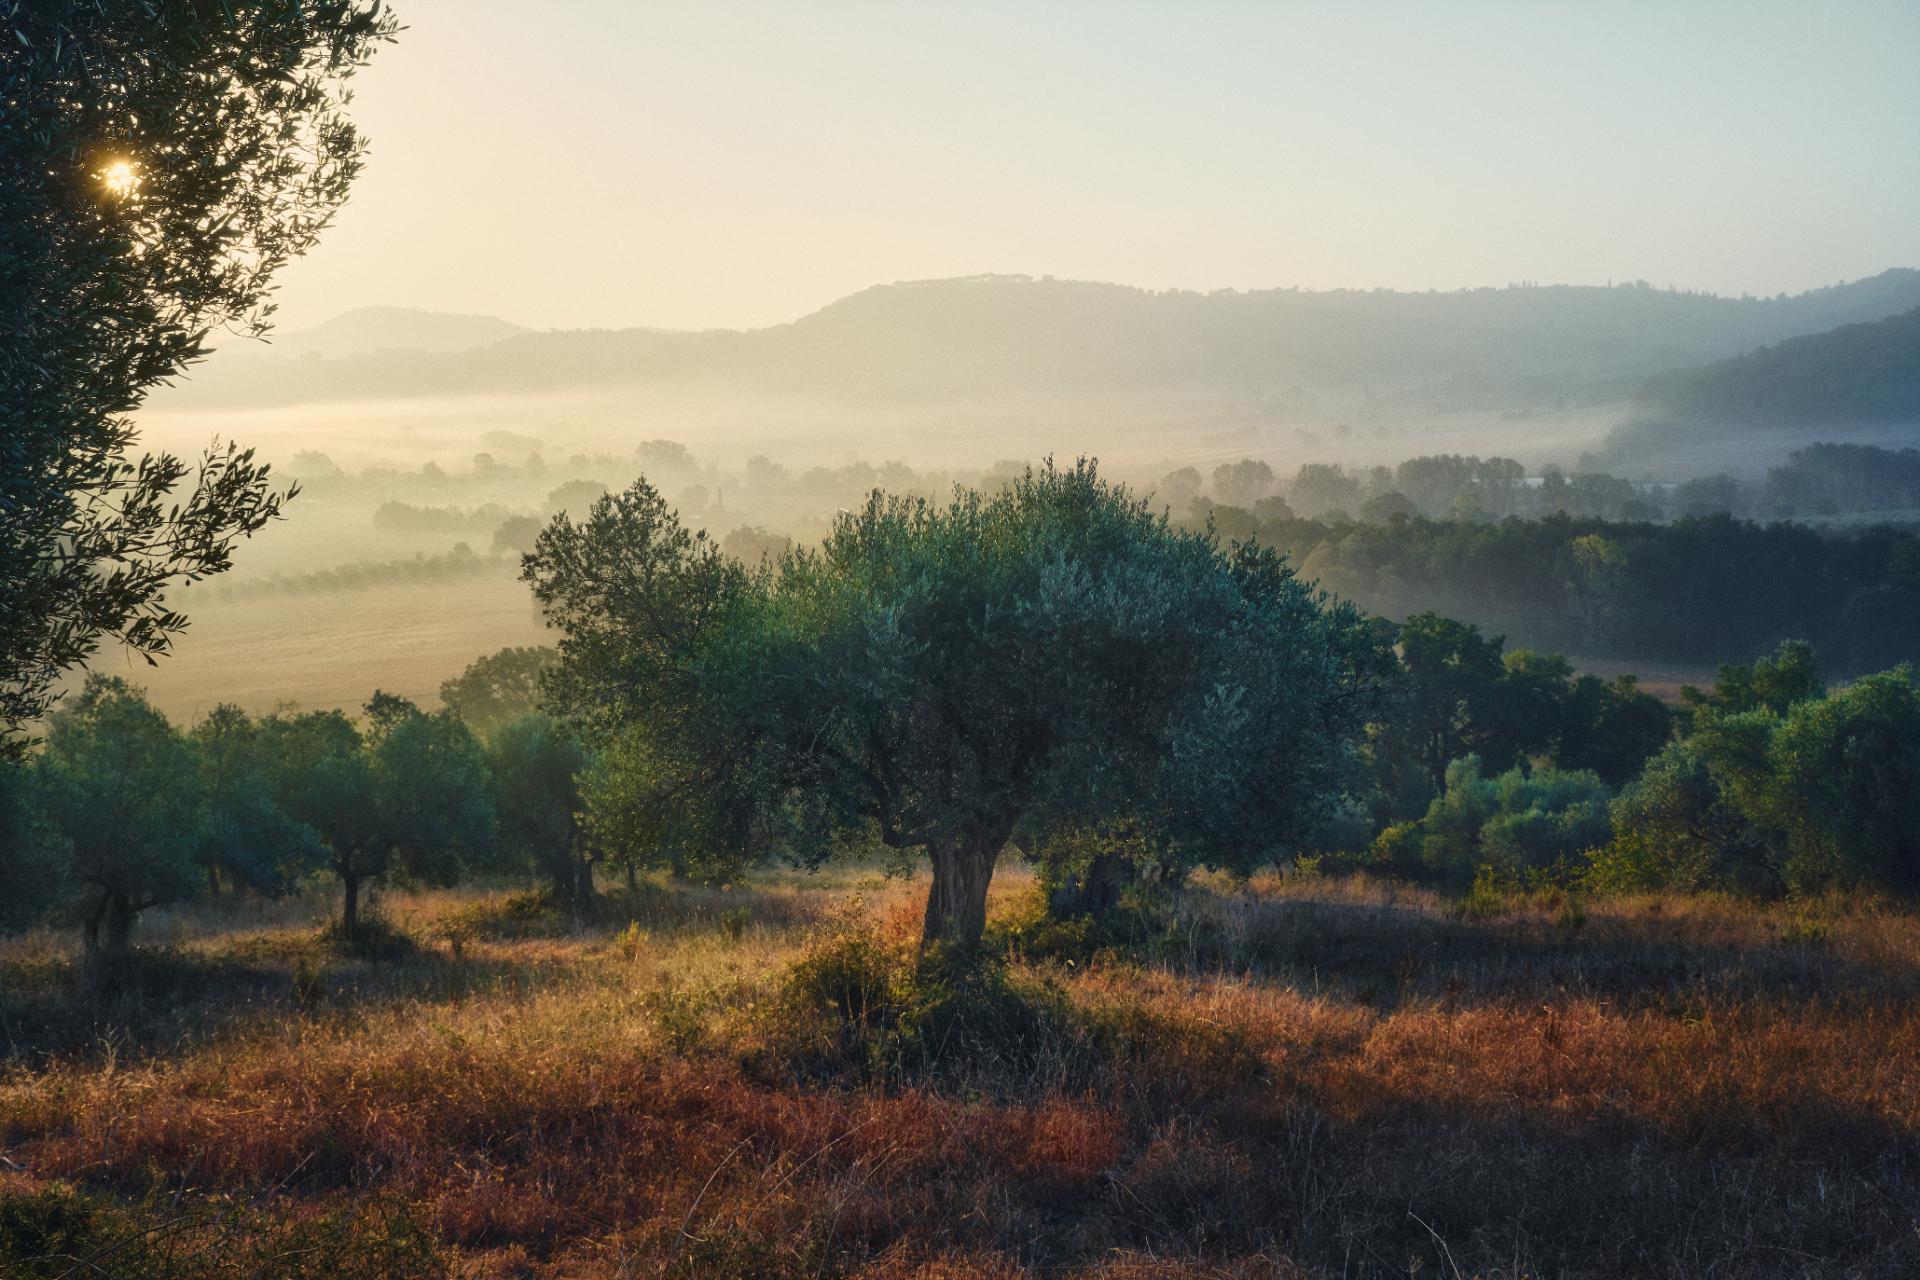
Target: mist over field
{"x": 479, "y": 421}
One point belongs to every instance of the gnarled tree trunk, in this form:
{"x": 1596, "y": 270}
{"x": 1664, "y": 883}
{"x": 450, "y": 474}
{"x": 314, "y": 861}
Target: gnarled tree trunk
{"x": 957, "y": 902}
{"x": 350, "y": 911}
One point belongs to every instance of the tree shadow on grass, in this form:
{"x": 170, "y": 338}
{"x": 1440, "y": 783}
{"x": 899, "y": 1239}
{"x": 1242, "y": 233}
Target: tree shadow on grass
{"x": 164, "y": 1002}
{"x": 659, "y": 909}
{"x": 1384, "y": 954}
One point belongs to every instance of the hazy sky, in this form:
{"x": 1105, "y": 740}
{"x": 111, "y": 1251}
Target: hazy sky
{"x": 721, "y": 163}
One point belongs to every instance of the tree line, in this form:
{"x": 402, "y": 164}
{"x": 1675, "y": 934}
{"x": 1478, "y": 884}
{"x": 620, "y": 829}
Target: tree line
{"x": 1693, "y": 591}
{"x": 1052, "y": 668}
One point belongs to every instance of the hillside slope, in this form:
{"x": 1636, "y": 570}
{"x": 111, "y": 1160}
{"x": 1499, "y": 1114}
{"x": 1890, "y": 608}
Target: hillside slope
{"x": 1017, "y": 337}
{"x": 1867, "y": 372}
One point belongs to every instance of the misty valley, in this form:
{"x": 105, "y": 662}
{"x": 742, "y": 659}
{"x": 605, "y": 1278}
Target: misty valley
{"x": 601, "y": 678}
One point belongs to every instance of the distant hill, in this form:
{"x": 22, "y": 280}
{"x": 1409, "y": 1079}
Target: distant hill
{"x": 1868, "y": 372}
{"x": 366, "y": 330}
{"x": 1012, "y": 337}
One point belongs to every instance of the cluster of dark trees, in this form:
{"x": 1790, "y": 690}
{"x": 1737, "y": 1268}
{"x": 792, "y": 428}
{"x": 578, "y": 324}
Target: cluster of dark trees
{"x": 1446, "y": 485}
{"x": 121, "y": 811}
{"x": 1819, "y": 480}
{"x": 1837, "y": 479}
{"x": 1691, "y": 591}
{"x": 1772, "y": 784}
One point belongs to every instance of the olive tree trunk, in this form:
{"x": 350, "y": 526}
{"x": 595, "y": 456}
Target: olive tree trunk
{"x": 350, "y": 910}
{"x": 957, "y": 902}
{"x": 119, "y": 924}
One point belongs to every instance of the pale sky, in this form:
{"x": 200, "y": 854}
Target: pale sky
{"x": 734, "y": 163}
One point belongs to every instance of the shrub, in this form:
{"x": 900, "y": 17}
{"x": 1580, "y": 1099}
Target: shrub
{"x": 859, "y": 1007}
{"x": 1514, "y": 823}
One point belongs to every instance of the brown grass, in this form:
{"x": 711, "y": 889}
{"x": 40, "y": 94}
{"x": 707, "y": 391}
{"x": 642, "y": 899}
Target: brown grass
{"x": 1296, "y": 1077}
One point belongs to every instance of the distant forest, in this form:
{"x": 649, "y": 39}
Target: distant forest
{"x": 1826, "y": 548}
{"x": 1694, "y": 591}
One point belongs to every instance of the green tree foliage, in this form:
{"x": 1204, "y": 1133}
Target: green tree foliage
{"x": 159, "y": 163}
{"x": 431, "y": 790}
{"x": 410, "y": 796}
{"x": 1773, "y": 684}
{"x": 1610, "y": 727}
{"x": 639, "y": 602}
{"x": 1515, "y": 822}
{"x": 536, "y": 765}
{"x": 1826, "y": 479}
{"x": 943, "y": 676}
{"x": 1319, "y": 489}
{"x": 121, "y": 787}
{"x": 1676, "y": 827}
{"x": 1449, "y": 700}
{"x": 247, "y": 836}
{"x": 324, "y": 777}
{"x": 498, "y": 689}
{"x": 1784, "y": 785}
{"x": 34, "y": 857}
{"x": 1695, "y": 590}
{"x": 1457, "y": 693}
{"x": 1842, "y": 784}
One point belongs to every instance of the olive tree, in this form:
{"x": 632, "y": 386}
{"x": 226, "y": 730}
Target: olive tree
{"x": 123, "y": 791}
{"x": 323, "y": 777}
{"x": 940, "y": 677}
{"x": 498, "y": 689}
{"x": 535, "y": 764}
{"x": 159, "y": 163}
{"x": 247, "y": 836}
{"x": 407, "y": 796}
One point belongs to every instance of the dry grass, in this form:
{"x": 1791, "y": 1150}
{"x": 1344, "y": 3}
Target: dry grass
{"x": 1296, "y": 1077}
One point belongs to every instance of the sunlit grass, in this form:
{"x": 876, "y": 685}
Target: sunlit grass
{"x": 1341, "y": 1076}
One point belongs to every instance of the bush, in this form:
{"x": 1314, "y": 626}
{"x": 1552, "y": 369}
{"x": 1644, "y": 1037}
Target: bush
{"x": 1805, "y": 792}
{"x": 1515, "y": 823}
{"x": 858, "y": 1007}
{"x": 375, "y": 938}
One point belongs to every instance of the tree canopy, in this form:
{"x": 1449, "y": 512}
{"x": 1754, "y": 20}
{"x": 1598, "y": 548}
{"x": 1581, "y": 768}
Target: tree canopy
{"x": 940, "y": 677}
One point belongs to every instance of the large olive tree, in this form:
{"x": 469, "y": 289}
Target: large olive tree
{"x": 160, "y": 160}
{"x": 939, "y": 677}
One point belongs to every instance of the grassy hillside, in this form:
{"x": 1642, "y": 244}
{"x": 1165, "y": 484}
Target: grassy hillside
{"x": 1296, "y": 1078}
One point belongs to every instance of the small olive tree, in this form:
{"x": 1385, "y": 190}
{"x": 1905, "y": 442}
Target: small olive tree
{"x": 122, "y": 788}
